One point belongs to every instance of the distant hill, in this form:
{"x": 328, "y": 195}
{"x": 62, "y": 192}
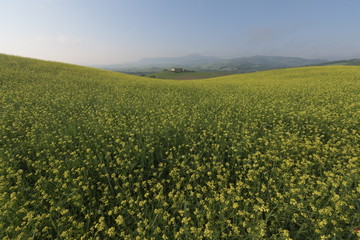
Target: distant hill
{"x": 185, "y": 75}
{"x": 213, "y": 64}
{"x": 193, "y": 59}
{"x": 351, "y": 62}
{"x": 156, "y": 64}
{"x": 259, "y": 63}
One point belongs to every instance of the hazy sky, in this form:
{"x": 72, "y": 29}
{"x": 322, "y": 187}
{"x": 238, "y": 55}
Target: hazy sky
{"x": 115, "y": 31}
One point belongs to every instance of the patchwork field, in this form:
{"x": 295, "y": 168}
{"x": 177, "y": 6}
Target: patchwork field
{"x": 92, "y": 154}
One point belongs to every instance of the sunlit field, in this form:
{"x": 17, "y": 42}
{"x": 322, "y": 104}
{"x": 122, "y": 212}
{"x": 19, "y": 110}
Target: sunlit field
{"x": 92, "y": 154}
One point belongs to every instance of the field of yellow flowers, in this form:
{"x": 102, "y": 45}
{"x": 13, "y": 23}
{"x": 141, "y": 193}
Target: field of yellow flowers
{"x": 92, "y": 154}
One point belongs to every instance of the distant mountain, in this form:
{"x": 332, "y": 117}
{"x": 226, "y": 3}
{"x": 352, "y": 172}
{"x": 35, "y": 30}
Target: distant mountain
{"x": 214, "y": 64}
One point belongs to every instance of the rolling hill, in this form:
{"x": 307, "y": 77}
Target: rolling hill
{"x": 93, "y": 154}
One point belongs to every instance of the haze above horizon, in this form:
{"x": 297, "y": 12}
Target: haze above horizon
{"x": 112, "y": 32}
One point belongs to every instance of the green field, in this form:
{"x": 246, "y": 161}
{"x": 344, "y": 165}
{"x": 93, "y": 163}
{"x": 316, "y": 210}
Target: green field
{"x": 93, "y": 154}
{"x": 185, "y": 75}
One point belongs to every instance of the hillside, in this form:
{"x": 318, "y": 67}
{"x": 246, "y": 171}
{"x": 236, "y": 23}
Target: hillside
{"x": 94, "y": 154}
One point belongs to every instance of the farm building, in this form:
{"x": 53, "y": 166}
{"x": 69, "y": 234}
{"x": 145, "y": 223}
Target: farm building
{"x": 177, "y": 70}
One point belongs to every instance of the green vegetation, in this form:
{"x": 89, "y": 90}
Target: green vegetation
{"x": 185, "y": 75}
{"x": 92, "y": 154}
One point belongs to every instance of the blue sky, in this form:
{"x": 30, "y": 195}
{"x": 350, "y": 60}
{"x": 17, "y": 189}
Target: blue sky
{"x": 117, "y": 31}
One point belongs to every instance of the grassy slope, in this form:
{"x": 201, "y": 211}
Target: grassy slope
{"x": 90, "y": 153}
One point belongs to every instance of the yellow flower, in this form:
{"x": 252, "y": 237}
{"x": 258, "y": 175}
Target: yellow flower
{"x": 119, "y": 220}
{"x": 111, "y": 232}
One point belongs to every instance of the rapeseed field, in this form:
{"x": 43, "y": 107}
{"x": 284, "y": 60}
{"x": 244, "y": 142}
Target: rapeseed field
{"x": 92, "y": 154}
